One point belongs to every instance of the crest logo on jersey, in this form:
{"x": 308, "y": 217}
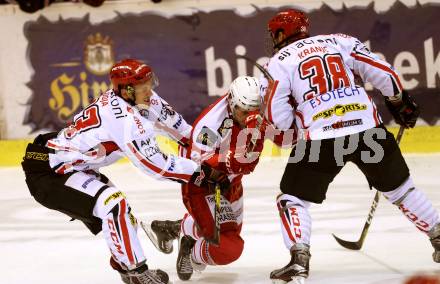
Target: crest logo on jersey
{"x": 339, "y": 110}
{"x": 207, "y": 137}
{"x": 98, "y": 54}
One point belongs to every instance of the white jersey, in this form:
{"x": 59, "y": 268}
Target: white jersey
{"x": 167, "y": 121}
{"x": 316, "y": 90}
{"x": 110, "y": 128}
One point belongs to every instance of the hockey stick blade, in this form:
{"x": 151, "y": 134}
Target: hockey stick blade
{"x": 348, "y": 245}
{"x": 358, "y": 244}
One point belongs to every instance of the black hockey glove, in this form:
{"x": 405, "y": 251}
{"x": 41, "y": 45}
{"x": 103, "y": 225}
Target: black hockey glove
{"x": 404, "y": 110}
{"x": 206, "y": 175}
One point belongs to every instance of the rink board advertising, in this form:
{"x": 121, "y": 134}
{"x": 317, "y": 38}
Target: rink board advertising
{"x": 195, "y": 56}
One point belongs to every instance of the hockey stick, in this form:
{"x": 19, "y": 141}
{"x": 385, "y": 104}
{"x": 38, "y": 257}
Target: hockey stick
{"x": 358, "y": 244}
{"x": 217, "y": 211}
{"x": 217, "y": 204}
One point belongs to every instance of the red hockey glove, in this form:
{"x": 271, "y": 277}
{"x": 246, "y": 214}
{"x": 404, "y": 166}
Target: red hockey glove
{"x": 206, "y": 175}
{"x": 404, "y": 110}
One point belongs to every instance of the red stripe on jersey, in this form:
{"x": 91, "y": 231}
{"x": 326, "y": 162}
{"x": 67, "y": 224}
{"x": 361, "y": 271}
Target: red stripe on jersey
{"x": 124, "y": 230}
{"x": 110, "y": 147}
{"x": 269, "y": 98}
{"x": 54, "y": 146}
{"x": 285, "y": 223}
{"x": 380, "y": 66}
{"x": 63, "y": 169}
{"x": 375, "y": 114}
{"x": 301, "y": 117}
{"x": 155, "y": 169}
{"x": 204, "y": 112}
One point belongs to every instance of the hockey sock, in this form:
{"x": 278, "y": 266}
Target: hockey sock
{"x": 200, "y": 252}
{"x": 119, "y": 228}
{"x": 296, "y": 222}
{"x": 414, "y": 205}
{"x": 189, "y": 227}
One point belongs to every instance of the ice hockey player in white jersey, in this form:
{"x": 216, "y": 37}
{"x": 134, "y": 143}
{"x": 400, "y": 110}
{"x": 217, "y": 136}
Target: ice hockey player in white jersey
{"x": 315, "y": 92}
{"x": 222, "y": 137}
{"x": 62, "y": 169}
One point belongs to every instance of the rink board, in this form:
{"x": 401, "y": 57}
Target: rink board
{"x": 422, "y": 139}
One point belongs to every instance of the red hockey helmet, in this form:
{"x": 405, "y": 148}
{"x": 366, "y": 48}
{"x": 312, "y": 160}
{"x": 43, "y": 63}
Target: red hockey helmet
{"x": 131, "y": 72}
{"x": 292, "y": 22}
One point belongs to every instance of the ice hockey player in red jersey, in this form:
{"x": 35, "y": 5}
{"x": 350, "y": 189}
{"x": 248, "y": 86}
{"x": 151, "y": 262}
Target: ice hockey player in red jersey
{"x": 62, "y": 168}
{"x": 337, "y": 122}
{"x": 222, "y": 138}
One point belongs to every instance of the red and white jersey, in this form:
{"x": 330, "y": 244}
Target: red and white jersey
{"x": 110, "y": 128}
{"x": 215, "y": 133}
{"x": 315, "y": 86}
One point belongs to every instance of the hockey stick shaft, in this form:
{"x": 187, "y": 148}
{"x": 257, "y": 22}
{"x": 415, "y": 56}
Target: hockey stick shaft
{"x": 217, "y": 197}
{"x": 215, "y": 240}
{"x": 358, "y": 244}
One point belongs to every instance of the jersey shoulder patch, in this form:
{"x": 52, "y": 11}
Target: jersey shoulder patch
{"x": 207, "y": 137}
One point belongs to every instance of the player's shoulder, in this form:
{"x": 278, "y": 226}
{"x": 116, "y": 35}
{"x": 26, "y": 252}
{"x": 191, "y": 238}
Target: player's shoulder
{"x": 212, "y": 117}
{"x": 112, "y": 108}
{"x": 156, "y": 100}
{"x": 211, "y": 113}
{"x": 345, "y": 39}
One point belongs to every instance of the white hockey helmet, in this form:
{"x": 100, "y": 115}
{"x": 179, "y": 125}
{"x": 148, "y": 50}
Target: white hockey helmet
{"x": 245, "y": 93}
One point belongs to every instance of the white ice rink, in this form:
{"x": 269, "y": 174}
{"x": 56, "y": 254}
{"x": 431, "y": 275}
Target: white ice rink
{"x": 41, "y": 246}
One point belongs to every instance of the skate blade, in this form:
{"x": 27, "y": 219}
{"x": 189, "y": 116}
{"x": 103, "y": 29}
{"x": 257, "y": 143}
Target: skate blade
{"x": 152, "y": 236}
{"x": 295, "y": 280}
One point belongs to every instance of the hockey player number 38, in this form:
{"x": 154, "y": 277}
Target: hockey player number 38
{"x": 88, "y": 120}
{"x": 324, "y": 74}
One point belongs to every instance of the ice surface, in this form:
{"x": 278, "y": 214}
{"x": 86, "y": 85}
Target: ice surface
{"x": 41, "y": 246}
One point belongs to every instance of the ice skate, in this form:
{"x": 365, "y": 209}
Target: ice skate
{"x": 297, "y": 270}
{"x": 122, "y": 272}
{"x": 162, "y": 234}
{"x": 434, "y": 237}
{"x": 184, "y": 265}
{"x": 143, "y": 275}
{"x": 140, "y": 275}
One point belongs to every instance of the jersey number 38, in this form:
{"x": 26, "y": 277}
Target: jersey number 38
{"x": 324, "y": 74}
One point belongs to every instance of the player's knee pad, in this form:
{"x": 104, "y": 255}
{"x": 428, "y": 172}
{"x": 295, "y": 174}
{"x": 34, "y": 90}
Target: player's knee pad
{"x": 296, "y": 222}
{"x": 285, "y": 200}
{"x": 399, "y": 194}
{"x": 119, "y": 227}
{"x": 229, "y": 250}
{"x": 106, "y": 201}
